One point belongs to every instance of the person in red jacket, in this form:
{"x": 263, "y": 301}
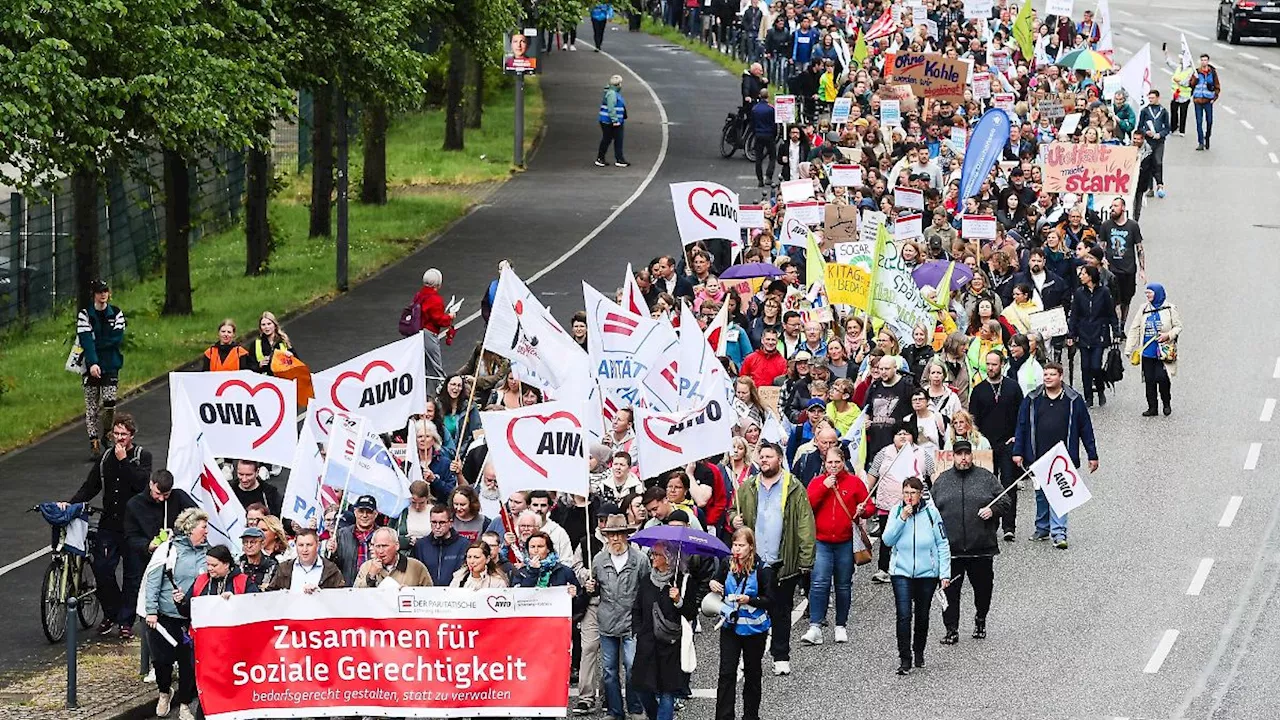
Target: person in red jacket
{"x": 765, "y": 364}
{"x": 708, "y": 474}
{"x": 836, "y": 498}
{"x": 434, "y": 321}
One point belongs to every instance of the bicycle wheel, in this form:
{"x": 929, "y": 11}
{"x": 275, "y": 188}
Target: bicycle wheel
{"x": 749, "y": 147}
{"x": 53, "y": 603}
{"x": 89, "y": 609}
{"x": 727, "y": 144}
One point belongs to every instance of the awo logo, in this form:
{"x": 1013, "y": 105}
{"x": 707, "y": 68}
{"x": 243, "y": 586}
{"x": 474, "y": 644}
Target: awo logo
{"x": 715, "y": 210}
{"x": 374, "y": 392}
{"x": 244, "y": 414}
{"x": 500, "y": 604}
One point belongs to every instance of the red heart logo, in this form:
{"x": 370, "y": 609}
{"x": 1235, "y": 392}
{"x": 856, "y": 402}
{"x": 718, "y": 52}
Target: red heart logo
{"x": 333, "y": 392}
{"x": 254, "y": 391}
{"x": 323, "y": 422}
{"x": 544, "y": 419}
{"x": 708, "y": 193}
{"x": 1066, "y": 469}
{"x": 657, "y": 440}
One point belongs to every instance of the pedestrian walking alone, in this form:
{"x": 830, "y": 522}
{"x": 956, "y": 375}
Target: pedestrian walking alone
{"x": 434, "y": 321}
{"x": 745, "y": 585}
{"x": 764, "y": 133}
{"x": 1206, "y": 86}
{"x": 601, "y": 14}
{"x": 613, "y": 113}
{"x": 1155, "y": 331}
{"x": 921, "y": 558}
{"x": 100, "y": 332}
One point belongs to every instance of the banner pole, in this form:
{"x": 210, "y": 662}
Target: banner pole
{"x": 587, "y": 559}
{"x": 466, "y": 416}
{"x": 1012, "y": 485}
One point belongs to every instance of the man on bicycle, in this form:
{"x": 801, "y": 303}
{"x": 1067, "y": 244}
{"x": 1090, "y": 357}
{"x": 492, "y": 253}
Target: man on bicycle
{"x": 753, "y": 81}
{"x": 121, "y": 473}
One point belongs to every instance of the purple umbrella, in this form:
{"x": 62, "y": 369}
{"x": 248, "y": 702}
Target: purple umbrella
{"x": 751, "y": 270}
{"x": 930, "y": 274}
{"x": 685, "y": 539}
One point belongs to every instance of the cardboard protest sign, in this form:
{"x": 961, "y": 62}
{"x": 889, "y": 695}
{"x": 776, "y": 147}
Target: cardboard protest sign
{"x": 840, "y": 223}
{"x": 1097, "y": 169}
{"x": 1051, "y": 107}
{"x": 905, "y": 96}
{"x": 846, "y": 175}
{"x": 930, "y": 75}
{"x": 945, "y": 459}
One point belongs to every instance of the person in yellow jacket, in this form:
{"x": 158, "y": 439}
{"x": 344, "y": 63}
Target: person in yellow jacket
{"x": 1181, "y": 101}
{"x": 827, "y": 86}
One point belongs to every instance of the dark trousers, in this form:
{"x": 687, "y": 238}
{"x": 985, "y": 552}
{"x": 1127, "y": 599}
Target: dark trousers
{"x": 117, "y": 602}
{"x": 886, "y": 552}
{"x": 1145, "y": 171}
{"x": 1091, "y": 375}
{"x": 597, "y": 30}
{"x": 1178, "y": 116}
{"x": 765, "y": 148}
{"x": 912, "y": 596}
{"x": 1204, "y": 122}
{"x": 981, "y": 573}
{"x": 610, "y": 133}
{"x": 1002, "y": 455}
{"x": 782, "y": 603}
{"x": 163, "y": 656}
{"x": 1155, "y": 376}
{"x": 751, "y": 649}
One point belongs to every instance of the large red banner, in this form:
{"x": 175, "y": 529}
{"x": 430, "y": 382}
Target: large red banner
{"x": 407, "y": 652}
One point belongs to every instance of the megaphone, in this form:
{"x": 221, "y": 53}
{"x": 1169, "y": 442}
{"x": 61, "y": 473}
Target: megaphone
{"x": 712, "y": 604}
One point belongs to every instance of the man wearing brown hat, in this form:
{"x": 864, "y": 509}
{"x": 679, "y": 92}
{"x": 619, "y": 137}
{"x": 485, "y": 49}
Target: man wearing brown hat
{"x": 615, "y": 579}
{"x": 971, "y": 501}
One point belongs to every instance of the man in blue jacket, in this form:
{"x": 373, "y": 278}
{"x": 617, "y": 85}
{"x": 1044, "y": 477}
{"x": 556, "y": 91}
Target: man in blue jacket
{"x": 444, "y": 550}
{"x": 1051, "y": 413}
{"x": 764, "y": 133}
{"x": 803, "y": 42}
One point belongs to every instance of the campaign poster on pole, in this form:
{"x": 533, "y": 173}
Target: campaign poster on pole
{"x": 908, "y": 198}
{"x": 978, "y": 9}
{"x": 520, "y": 52}
{"x": 908, "y": 226}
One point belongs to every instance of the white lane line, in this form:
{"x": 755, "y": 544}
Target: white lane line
{"x": 1229, "y": 110}
{"x": 1195, "y": 35}
{"x": 1261, "y": 139}
{"x": 1135, "y": 31}
{"x": 1162, "y": 652}
{"x": 1124, "y": 13}
{"x": 800, "y": 611}
{"x": 1229, "y": 513}
{"x": 1202, "y": 574}
{"x": 1246, "y": 124}
{"x": 1166, "y": 71}
{"x": 1251, "y": 460}
{"x": 1222, "y": 45}
{"x": 1276, "y": 373}
{"x": 19, "y": 563}
{"x": 1274, "y": 160}
{"x": 1247, "y": 56}
{"x": 1268, "y": 408}
{"x": 1272, "y": 66}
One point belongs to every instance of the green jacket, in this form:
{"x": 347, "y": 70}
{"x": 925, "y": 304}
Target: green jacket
{"x": 798, "y": 532}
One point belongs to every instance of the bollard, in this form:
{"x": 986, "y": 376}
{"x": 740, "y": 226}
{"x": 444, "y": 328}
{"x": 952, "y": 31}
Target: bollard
{"x": 73, "y": 623}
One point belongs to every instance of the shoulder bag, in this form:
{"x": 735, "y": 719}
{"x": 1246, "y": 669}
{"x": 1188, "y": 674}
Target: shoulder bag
{"x": 861, "y": 542}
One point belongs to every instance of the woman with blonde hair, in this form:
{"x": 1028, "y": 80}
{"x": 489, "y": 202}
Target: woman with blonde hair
{"x": 746, "y": 399}
{"x": 226, "y": 355}
{"x": 272, "y": 337}
{"x": 963, "y": 428}
{"x": 745, "y": 583}
{"x": 276, "y": 544}
{"x": 739, "y": 464}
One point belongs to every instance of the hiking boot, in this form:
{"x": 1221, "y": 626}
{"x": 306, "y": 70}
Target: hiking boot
{"x": 980, "y": 629}
{"x": 951, "y": 638}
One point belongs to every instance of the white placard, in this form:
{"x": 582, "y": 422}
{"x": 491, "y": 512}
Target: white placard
{"x": 978, "y": 227}
{"x": 982, "y": 85}
{"x": 541, "y": 447}
{"x": 909, "y": 226}
{"x": 796, "y": 190}
{"x": 1061, "y": 8}
{"x": 385, "y": 385}
{"x": 978, "y": 9}
{"x": 840, "y": 111}
{"x": 846, "y": 175}
{"x": 784, "y": 109}
{"x": 242, "y": 414}
{"x": 857, "y": 252}
{"x": 890, "y": 112}
{"x": 1049, "y": 323}
{"x": 809, "y": 212}
{"x": 751, "y": 216}
{"x": 908, "y": 198}
{"x": 1069, "y": 125}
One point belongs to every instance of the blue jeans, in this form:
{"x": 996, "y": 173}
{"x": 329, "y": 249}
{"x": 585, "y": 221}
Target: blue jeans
{"x": 912, "y": 598}
{"x": 610, "y": 648}
{"x": 1204, "y": 121}
{"x": 658, "y": 706}
{"x": 834, "y": 561}
{"x": 1049, "y": 522}
{"x": 117, "y": 602}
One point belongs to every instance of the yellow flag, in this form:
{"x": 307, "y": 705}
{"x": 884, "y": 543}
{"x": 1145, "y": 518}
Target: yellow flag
{"x": 1023, "y": 32}
{"x": 882, "y": 239}
{"x": 860, "y": 51}
{"x": 815, "y": 267}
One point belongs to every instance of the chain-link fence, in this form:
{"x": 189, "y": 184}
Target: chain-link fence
{"x": 37, "y": 250}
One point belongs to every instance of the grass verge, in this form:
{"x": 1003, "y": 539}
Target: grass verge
{"x": 40, "y": 396}
{"x": 666, "y": 32}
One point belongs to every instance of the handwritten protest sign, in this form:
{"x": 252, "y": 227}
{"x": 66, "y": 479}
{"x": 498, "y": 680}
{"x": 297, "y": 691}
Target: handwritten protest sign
{"x": 905, "y": 96}
{"x": 784, "y": 109}
{"x": 840, "y": 223}
{"x": 945, "y": 459}
{"x": 848, "y": 285}
{"x": 930, "y": 75}
{"x": 856, "y": 252}
{"x": 1097, "y": 169}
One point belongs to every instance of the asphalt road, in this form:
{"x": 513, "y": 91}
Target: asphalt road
{"x": 1105, "y": 629}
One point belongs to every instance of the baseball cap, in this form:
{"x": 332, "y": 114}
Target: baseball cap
{"x": 815, "y": 403}
{"x": 803, "y": 356}
{"x": 365, "y": 502}
{"x": 252, "y": 532}
{"x": 98, "y": 286}
{"x": 961, "y": 445}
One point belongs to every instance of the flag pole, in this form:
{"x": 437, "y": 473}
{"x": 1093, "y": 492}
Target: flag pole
{"x": 587, "y": 558}
{"x": 466, "y": 416}
{"x": 1012, "y": 485}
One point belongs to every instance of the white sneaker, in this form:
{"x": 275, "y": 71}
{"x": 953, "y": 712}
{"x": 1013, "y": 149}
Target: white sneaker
{"x": 881, "y": 577}
{"x": 163, "y": 704}
{"x": 150, "y": 677}
{"x": 184, "y": 712}
{"x": 813, "y": 636}
{"x": 573, "y": 47}
{"x": 781, "y": 667}
{"x": 842, "y": 635}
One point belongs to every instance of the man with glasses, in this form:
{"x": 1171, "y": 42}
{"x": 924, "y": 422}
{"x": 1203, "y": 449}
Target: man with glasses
{"x": 349, "y": 548}
{"x": 256, "y": 565}
{"x": 147, "y": 519}
{"x": 444, "y": 550}
{"x": 388, "y": 564}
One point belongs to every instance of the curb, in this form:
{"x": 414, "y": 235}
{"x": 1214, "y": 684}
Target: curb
{"x": 136, "y": 709}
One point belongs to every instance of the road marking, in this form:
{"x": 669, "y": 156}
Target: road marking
{"x": 1135, "y": 31}
{"x": 1229, "y": 110}
{"x": 1248, "y": 56}
{"x": 1276, "y": 372}
{"x": 1251, "y": 460}
{"x": 1229, "y": 513}
{"x": 1195, "y": 35}
{"x": 1166, "y": 71}
{"x": 1261, "y": 139}
{"x": 1124, "y": 13}
{"x": 1268, "y": 408}
{"x": 1272, "y": 66}
{"x": 1162, "y": 651}
{"x": 1274, "y": 160}
{"x": 1246, "y": 124}
{"x": 19, "y": 563}
{"x": 1202, "y": 574}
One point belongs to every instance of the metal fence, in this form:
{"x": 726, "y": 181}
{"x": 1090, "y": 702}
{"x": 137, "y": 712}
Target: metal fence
{"x": 37, "y": 251}
{"x": 729, "y": 39}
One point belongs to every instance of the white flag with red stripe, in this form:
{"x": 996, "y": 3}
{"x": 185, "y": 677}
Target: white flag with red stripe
{"x": 884, "y": 25}
{"x": 522, "y": 330}
{"x": 632, "y": 299}
{"x": 717, "y": 334}
{"x": 623, "y": 346}
{"x": 196, "y": 472}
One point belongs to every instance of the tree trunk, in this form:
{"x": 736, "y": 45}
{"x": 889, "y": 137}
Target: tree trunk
{"x": 177, "y": 235}
{"x": 257, "y": 227}
{"x": 321, "y": 162}
{"x": 84, "y": 220}
{"x": 475, "y": 107}
{"x": 454, "y": 84}
{"x": 373, "y": 186}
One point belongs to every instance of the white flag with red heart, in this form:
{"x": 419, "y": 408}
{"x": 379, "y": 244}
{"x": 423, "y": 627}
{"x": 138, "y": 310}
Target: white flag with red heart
{"x": 539, "y": 447}
{"x": 671, "y": 440}
{"x": 1059, "y": 479}
{"x": 242, "y": 414}
{"x": 386, "y": 385}
{"x": 704, "y": 211}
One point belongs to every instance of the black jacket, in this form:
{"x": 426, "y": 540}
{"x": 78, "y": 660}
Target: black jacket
{"x": 1092, "y": 317}
{"x": 656, "y": 667}
{"x": 959, "y": 495}
{"x": 997, "y": 420}
{"x": 752, "y": 85}
{"x": 751, "y": 18}
{"x": 144, "y": 517}
{"x": 265, "y": 493}
{"x": 778, "y": 42}
{"x": 918, "y": 357}
{"x": 1055, "y": 291}
{"x": 118, "y": 481}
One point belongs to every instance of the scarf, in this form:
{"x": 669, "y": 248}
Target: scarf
{"x": 661, "y": 579}
{"x": 1157, "y": 290}
{"x": 545, "y": 567}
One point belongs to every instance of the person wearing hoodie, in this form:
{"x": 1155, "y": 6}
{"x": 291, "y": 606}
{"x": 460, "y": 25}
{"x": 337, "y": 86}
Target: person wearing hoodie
{"x": 836, "y": 499}
{"x": 613, "y": 114}
{"x": 921, "y": 558}
{"x": 1053, "y": 413}
{"x": 164, "y": 589}
{"x": 1154, "y": 331}
{"x": 971, "y": 501}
